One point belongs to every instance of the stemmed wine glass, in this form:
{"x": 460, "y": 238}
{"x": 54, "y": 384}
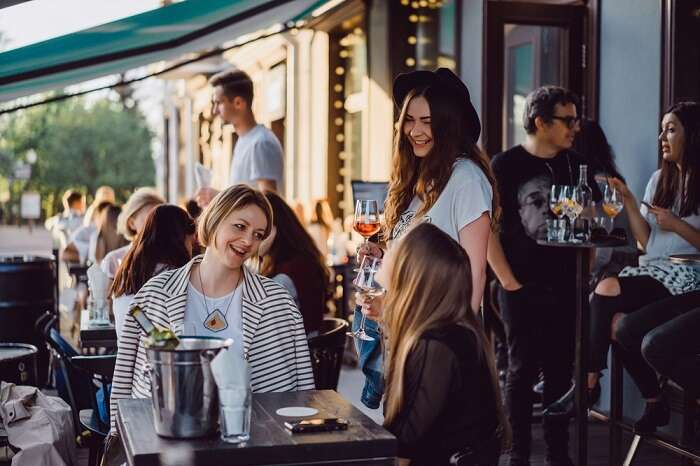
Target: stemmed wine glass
{"x": 367, "y": 286}
{"x": 366, "y": 218}
{"x": 556, "y": 200}
{"x": 612, "y": 201}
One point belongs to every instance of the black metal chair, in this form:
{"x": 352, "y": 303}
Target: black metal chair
{"x": 79, "y": 379}
{"x": 327, "y": 352}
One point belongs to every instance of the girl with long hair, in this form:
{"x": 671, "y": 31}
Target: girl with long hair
{"x": 290, "y": 257}
{"x": 442, "y": 397}
{"x": 321, "y": 224}
{"x": 440, "y": 176}
{"x": 216, "y": 294}
{"x": 107, "y": 238}
{"x": 164, "y": 242}
{"x": 130, "y": 222}
{"x": 667, "y": 223}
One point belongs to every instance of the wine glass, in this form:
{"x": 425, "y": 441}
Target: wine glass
{"x": 366, "y": 218}
{"x": 612, "y": 201}
{"x": 368, "y": 287}
{"x": 556, "y": 200}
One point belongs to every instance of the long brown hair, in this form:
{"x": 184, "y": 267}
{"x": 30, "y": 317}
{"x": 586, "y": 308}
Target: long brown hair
{"x": 108, "y": 238}
{"x": 430, "y": 287}
{"x": 291, "y": 241}
{"x": 426, "y": 177}
{"x": 161, "y": 242}
{"x": 685, "y": 181}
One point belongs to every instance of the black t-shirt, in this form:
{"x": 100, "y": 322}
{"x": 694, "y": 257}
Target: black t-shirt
{"x": 524, "y": 184}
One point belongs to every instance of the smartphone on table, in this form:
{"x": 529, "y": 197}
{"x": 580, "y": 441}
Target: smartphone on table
{"x": 302, "y": 426}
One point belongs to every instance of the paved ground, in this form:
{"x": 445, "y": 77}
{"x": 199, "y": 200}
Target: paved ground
{"x": 15, "y": 240}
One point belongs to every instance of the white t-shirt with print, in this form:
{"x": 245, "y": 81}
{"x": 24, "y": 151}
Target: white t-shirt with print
{"x": 258, "y": 155}
{"x": 466, "y": 196}
{"x": 196, "y": 312}
{"x": 663, "y": 243}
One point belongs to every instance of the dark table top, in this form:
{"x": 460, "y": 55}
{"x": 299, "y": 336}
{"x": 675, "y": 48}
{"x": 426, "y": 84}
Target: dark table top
{"x": 270, "y": 442}
{"x": 608, "y": 243}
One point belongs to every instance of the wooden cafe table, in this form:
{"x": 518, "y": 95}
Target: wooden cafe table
{"x": 583, "y": 255}
{"x": 364, "y": 443}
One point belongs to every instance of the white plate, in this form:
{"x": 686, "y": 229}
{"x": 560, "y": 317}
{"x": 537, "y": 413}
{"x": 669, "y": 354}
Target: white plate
{"x": 296, "y": 411}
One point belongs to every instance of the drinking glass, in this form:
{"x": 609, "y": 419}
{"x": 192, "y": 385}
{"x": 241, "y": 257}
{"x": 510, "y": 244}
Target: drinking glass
{"x": 367, "y": 286}
{"x": 234, "y": 414}
{"x": 556, "y": 200}
{"x": 612, "y": 201}
{"x": 366, "y": 218}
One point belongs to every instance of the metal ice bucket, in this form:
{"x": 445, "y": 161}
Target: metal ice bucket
{"x": 185, "y": 401}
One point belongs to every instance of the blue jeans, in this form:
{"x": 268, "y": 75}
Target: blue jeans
{"x": 371, "y": 361}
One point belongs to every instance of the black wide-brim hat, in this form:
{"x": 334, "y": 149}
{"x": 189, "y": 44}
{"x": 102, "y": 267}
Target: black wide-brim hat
{"x": 445, "y": 80}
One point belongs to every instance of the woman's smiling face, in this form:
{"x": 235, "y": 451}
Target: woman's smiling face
{"x": 239, "y": 235}
{"x": 417, "y": 126}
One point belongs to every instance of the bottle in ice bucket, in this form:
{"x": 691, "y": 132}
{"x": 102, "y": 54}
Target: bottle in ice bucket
{"x": 157, "y": 338}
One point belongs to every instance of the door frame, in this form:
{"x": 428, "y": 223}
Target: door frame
{"x": 582, "y": 22}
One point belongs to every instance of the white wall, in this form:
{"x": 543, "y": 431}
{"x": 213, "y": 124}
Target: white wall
{"x": 630, "y": 77}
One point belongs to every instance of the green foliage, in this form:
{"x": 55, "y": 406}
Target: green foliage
{"x": 78, "y": 146}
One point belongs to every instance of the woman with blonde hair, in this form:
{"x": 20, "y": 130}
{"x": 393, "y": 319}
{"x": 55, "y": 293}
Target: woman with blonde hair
{"x": 442, "y": 397}
{"x": 130, "y": 222}
{"x": 215, "y": 294}
{"x": 107, "y": 238}
{"x": 102, "y": 194}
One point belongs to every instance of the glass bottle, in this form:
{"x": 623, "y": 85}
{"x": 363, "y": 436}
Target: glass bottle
{"x": 157, "y": 338}
{"x": 582, "y": 226}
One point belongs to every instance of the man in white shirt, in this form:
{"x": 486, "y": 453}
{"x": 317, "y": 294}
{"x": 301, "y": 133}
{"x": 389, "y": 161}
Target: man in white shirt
{"x": 257, "y": 156}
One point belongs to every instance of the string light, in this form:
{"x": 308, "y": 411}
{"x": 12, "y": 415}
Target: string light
{"x": 344, "y": 54}
{"x": 340, "y": 137}
{"x": 340, "y": 71}
{"x": 338, "y": 88}
{"x": 340, "y": 188}
{"x": 338, "y": 104}
{"x": 413, "y": 18}
{"x": 338, "y": 121}
{"x": 410, "y": 61}
{"x": 412, "y": 40}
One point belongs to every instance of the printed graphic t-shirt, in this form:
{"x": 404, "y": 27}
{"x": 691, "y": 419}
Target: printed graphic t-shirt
{"x": 258, "y": 155}
{"x": 465, "y": 197}
{"x": 524, "y": 183}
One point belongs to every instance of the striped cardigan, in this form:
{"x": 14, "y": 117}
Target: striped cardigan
{"x": 274, "y": 341}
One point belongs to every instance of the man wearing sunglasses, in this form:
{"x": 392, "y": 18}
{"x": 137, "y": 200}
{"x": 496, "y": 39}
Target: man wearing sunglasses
{"x": 537, "y": 293}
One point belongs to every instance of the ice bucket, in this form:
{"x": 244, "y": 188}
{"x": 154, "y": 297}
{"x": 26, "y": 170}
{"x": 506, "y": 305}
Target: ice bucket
{"x": 185, "y": 400}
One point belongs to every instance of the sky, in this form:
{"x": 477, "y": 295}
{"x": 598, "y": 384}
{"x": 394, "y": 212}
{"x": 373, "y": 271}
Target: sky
{"x": 39, "y": 20}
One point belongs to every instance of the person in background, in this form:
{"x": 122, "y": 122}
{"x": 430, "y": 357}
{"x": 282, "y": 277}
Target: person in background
{"x": 81, "y": 244}
{"x": 102, "y": 194}
{"x": 164, "y": 242}
{"x": 667, "y": 223}
{"x": 64, "y": 224}
{"x": 290, "y": 257}
{"x": 321, "y": 225}
{"x": 258, "y": 159}
{"x": 217, "y": 295}
{"x": 300, "y": 212}
{"x": 193, "y": 209}
{"x": 593, "y": 145}
{"x": 439, "y": 176}
{"x": 537, "y": 283}
{"x": 442, "y": 398}
{"x": 130, "y": 222}
{"x": 106, "y": 238}
{"x": 665, "y": 334}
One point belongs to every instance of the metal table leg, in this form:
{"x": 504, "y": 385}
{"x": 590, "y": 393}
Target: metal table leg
{"x": 582, "y": 323}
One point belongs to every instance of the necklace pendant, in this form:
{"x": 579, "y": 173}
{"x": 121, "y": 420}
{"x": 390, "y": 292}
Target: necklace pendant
{"x": 216, "y": 321}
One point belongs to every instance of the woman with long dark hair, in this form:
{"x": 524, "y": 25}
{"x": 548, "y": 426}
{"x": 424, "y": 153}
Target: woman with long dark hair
{"x": 442, "y": 400}
{"x": 290, "y": 257}
{"x": 667, "y": 223}
{"x": 164, "y": 242}
{"x": 440, "y": 176}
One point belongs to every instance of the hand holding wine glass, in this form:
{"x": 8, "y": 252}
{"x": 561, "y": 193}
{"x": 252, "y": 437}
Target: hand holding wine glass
{"x": 612, "y": 201}
{"x": 368, "y": 288}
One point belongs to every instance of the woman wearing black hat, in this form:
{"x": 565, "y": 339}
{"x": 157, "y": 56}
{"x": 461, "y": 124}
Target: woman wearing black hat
{"x": 439, "y": 176}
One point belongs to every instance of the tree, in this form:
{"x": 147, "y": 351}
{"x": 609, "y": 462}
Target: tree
{"x": 80, "y": 145}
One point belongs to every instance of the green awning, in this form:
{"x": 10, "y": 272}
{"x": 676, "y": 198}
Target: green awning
{"x": 162, "y": 34}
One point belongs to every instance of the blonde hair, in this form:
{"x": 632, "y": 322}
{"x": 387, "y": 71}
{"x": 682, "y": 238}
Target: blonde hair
{"x": 102, "y": 194}
{"x": 139, "y": 199}
{"x": 108, "y": 238}
{"x": 229, "y": 200}
{"x": 430, "y": 287}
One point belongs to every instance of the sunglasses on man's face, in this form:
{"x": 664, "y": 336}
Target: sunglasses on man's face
{"x": 569, "y": 121}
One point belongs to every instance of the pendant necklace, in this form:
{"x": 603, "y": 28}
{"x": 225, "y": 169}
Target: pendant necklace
{"x": 216, "y": 320}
